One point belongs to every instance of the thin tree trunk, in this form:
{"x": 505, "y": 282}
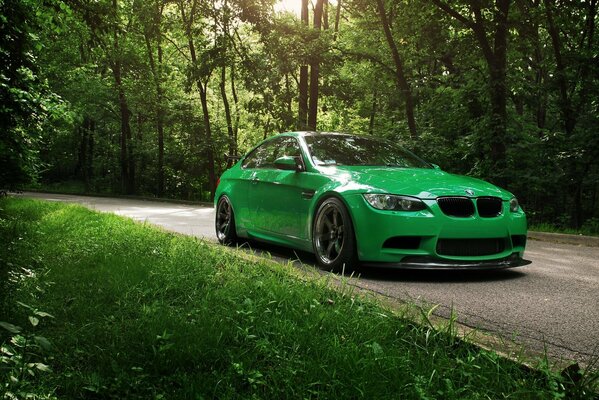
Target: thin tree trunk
{"x": 373, "y": 111}
{"x": 223, "y": 90}
{"x": 236, "y": 103}
{"x": 160, "y": 120}
{"x": 126, "y": 184}
{"x": 337, "y": 17}
{"x": 90, "y": 154}
{"x": 81, "y": 155}
{"x": 131, "y": 161}
{"x": 315, "y": 71}
{"x": 156, "y": 69}
{"x": 223, "y": 93}
{"x": 302, "y": 119}
{"x": 565, "y": 103}
{"x": 208, "y": 133}
{"x": 400, "y": 77}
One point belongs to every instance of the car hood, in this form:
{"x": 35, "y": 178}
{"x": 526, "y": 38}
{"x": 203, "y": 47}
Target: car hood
{"x": 418, "y": 182}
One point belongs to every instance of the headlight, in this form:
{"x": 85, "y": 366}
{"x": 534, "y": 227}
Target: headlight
{"x": 394, "y": 203}
{"x": 514, "y": 206}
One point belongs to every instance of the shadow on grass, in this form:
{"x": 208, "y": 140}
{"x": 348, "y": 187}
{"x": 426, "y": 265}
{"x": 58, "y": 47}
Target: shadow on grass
{"x": 283, "y": 254}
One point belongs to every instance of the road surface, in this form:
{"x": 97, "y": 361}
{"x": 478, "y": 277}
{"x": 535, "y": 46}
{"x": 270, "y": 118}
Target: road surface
{"x": 551, "y": 304}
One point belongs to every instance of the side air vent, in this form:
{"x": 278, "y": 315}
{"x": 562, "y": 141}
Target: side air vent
{"x": 488, "y": 207}
{"x": 518, "y": 240}
{"x": 456, "y": 206}
{"x": 402, "y": 242}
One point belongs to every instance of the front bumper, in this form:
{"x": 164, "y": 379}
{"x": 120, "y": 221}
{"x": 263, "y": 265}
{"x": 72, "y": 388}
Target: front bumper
{"x": 431, "y": 263}
{"x": 432, "y": 229}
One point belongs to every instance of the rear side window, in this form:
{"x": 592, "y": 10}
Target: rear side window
{"x": 264, "y": 156}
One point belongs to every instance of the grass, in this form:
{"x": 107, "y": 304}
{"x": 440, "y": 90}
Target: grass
{"x": 140, "y": 313}
{"x": 66, "y": 187}
{"x": 591, "y": 229}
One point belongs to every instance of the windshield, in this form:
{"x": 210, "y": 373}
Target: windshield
{"x": 360, "y": 150}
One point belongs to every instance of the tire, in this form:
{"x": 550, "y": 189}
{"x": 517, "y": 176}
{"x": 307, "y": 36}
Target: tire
{"x": 333, "y": 238}
{"x": 224, "y": 222}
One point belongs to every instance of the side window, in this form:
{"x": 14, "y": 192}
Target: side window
{"x": 289, "y": 147}
{"x": 261, "y": 156}
{"x": 264, "y": 156}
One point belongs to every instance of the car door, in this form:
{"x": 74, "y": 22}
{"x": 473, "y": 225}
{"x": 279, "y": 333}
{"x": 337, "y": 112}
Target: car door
{"x": 277, "y": 199}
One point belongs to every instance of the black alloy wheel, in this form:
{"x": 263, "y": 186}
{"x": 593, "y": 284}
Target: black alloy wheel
{"x": 225, "y": 222}
{"x": 333, "y": 237}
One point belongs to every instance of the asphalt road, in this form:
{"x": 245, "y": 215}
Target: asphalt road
{"x": 551, "y": 304}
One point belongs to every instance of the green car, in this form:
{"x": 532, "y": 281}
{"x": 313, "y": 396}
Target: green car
{"x": 361, "y": 201}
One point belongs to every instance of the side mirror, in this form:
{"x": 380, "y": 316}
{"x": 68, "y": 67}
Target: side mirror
{"x": 289, "y": 163}
{"x": 435, "y": 166}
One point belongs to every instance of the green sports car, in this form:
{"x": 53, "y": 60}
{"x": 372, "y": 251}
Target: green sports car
{"x": 359, "y": 201}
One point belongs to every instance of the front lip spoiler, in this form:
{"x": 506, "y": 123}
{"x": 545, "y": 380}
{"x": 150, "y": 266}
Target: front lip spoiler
{"x": 441, "y": 264}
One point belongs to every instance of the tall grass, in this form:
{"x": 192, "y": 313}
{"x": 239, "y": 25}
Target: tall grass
{"x": 140, "y": 313}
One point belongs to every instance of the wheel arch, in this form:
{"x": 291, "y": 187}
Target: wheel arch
{"x": 217, "y": 198}
{"x": 321, "y": 199}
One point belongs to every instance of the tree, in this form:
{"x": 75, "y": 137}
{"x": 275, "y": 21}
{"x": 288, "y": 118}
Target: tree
{"x": 400, "y": 76}
{"x": 21, "y": 95}
{"x": 201, "y": 72}
{"x": 495, "y": 55}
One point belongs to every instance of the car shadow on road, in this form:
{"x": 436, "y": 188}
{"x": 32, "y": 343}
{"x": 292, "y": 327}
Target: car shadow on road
{"x": 283, "y": 254}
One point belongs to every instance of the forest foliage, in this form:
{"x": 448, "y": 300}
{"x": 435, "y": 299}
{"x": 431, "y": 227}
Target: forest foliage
{"x": 149, "y": 97}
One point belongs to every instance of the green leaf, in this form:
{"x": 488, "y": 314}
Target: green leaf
{"x": 43, "y": 342}
{"x": 43, "y": 314}
{"x": 43, "y": 367}
{"x": 34, "y": 321}
{"x": 24, "y": 305}
{"x": 10, "y": 327}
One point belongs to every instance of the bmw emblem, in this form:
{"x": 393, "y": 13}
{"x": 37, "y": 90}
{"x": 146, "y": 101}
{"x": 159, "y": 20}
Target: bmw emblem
{"x": 470, "y": 192}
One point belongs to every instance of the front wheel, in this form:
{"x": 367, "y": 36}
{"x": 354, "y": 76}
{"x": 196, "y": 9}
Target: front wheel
{"x": 224, "y": 222}
{"x": 333, "y": 237}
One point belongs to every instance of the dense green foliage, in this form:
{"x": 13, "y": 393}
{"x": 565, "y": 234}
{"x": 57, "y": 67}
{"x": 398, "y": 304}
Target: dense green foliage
{"x": 153, "y": 94}
{"x": 116, "y": 309}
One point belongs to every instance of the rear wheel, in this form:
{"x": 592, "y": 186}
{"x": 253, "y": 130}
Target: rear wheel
{"x": 333, "y": 237}
{"x": 225, "y": 222}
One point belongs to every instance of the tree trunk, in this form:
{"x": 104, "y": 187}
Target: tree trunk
{"x": 373, "y": 111}
{"x": 156, "y": 69}
{"x": 236, "y": 103}
{"x": 223, "y": 93}
{"x": 208, "y": 133}
{"x": 160, "y": 121}
{"x": 565, "y": 104}
{"x": 89, "y": 168}
{"x": 126, "y": 183}
{"x": 131, "y": 161}
{"x": 337, "y": 17}
{"x": 400, "y": 78}
{"x": 223, "y": 90}
{"x": 302, "y": 119}
{"x": 315, "y": 71}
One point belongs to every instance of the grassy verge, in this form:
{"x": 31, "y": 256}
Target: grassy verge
{"x": 592, "y": 229}
{"x": 140, "y": 313}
